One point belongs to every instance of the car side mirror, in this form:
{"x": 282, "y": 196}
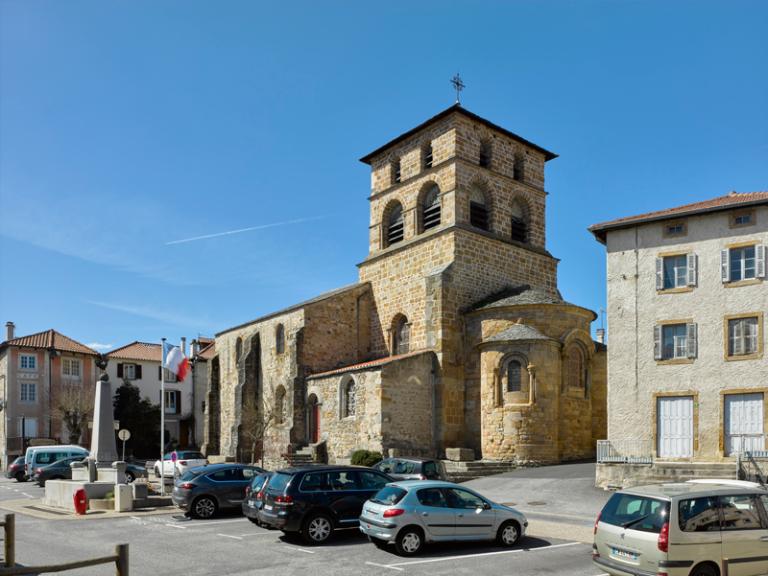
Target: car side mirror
{"x": 486, "y": 506}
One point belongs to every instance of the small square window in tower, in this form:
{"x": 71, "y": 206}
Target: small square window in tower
{"x": 485, "y": 154}
{"x": 514, "y": 376}
{"x": 426, "y": 155}
{"x": 402, "y": 335}
{"x": 395, "y": 224}
{"x": 519, "y": 168}
{"x": 478, "y": 210}
{"x": 395, "y": 170}
{"x": 519, "y": 223}
{"x": 430, "y": 207}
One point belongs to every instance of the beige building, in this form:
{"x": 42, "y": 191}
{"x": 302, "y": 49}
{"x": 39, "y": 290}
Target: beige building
{"x": 455, "y": 334}
{"x": 39, "y": 374}
{"x": 687, "y": 373}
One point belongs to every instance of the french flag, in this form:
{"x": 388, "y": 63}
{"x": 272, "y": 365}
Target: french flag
{"x": 175, "y": 361}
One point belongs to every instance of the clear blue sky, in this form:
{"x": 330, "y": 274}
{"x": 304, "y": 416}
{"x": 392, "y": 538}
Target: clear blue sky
{"x": 128, "y": 125}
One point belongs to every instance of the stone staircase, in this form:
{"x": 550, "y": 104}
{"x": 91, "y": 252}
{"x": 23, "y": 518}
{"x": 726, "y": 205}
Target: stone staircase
{"x": 463, "y": 471}
{"x": 660, "y": 472}
{"x": 301, "y": 457}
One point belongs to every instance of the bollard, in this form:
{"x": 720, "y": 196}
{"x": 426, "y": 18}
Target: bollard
{"x": 121, "y": 562}
{"x": 80, "y": 500}
{"x": 10, "y": 540}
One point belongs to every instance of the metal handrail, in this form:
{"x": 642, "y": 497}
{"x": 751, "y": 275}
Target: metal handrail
{"x": 628, "y": 451}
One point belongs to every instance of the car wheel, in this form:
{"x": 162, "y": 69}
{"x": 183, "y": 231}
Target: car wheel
{"x": 129, "y": 477}
{"x": 20, "y": 477}
{"x": 204, "y": 508}
{"x": 509, "y": 533}
{"x": 409, "y": 541}
{"x": 317, "y": 529}
{"x": 705, "y": 570}
{"x": 380, "y": 544}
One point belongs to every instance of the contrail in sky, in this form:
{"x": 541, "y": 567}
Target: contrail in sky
{"x": 240, "y": 230}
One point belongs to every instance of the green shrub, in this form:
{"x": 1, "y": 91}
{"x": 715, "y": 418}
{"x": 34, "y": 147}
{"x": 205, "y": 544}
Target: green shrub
{"x": 366, "y": 458}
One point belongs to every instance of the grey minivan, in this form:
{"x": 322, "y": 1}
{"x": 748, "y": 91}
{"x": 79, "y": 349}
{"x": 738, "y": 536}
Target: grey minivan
{"x": 695, "y": 528}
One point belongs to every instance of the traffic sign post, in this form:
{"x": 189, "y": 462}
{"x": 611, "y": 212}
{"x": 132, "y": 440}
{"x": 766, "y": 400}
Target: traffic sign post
{"x": 124, "y": 435}
{"x": 174, "y": 457}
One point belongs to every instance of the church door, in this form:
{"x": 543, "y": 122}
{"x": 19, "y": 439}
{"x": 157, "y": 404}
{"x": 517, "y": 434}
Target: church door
{"x": 314, "y": 420}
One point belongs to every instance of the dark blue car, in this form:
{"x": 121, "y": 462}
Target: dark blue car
{"x": 201, "y": 492}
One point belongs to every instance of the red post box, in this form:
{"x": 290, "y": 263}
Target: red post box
{"x": 81, "y": 501}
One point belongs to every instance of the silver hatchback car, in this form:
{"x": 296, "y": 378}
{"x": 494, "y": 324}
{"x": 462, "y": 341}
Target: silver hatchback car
{"x": 410, "y": 513}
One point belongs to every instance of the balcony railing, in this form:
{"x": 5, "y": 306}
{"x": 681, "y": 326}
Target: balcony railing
{"x": 632, "y": 451}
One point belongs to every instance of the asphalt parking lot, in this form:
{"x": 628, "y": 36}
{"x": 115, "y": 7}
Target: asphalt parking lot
{"x": 174, "y": 544}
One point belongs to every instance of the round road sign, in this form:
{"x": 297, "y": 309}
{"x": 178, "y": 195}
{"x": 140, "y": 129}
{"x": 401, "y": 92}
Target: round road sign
{"x": 124, "y": 434}
{"x": 174, "y": 457}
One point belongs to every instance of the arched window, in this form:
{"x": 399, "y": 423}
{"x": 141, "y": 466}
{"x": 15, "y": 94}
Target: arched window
{"x": 430, "y": 208}
{"x": 348, "y": 398}
{"x": 401, "y": 335}
{"x": 238, "y": 349}
{"x": 518, "y": 172}
{"x": 519, "y": 223}
{"x": 395, "y": 171}
{"x": 514, "y": 376}
{"x": 485, "y": 154}
{"x": 478, "y": 208}
{"x": 280, "y": 408}
{"x": 575, "y": 366}
{"x": 394, "y": 224}
{"x": 426, "y": 155}
{"x": 280, "y": 339}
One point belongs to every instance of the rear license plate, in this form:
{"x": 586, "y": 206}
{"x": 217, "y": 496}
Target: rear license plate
{"x": 619, "y": 553}
{"x": 267, "y": 506}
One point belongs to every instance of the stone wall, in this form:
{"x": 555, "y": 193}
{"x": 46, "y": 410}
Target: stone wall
{"x": 635, "y": 306}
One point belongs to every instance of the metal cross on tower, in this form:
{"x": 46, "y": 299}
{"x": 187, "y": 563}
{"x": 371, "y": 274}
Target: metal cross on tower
{"x": 458, "y": 85}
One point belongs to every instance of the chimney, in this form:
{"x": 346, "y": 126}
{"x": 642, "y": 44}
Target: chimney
{"x": 9, "y": 330}
{"x": 600, "y": 335}
{"x": 184, "y": 345}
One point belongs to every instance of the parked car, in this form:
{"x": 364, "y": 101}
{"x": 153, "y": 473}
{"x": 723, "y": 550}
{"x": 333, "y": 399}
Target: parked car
{"x": 203, "y": 491}
{"x": 16, "y": 470}
{"x": 37, "y": 456}
{"x": 254, "y": 497}
{"x": 185, "y": 460}
{"x": 411, "y": 513}
{"x": 412, "y": 469}
{"x": 695, "y": 528}
{"x": 315, "y": 500}
{"x": 62, "y": 470}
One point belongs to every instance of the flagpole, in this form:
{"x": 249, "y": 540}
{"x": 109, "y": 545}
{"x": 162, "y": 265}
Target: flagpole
{"x": 162, "y": 416}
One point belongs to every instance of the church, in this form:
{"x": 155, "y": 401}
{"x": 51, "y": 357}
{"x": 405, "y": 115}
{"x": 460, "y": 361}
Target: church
{"x": 454, "y": 336}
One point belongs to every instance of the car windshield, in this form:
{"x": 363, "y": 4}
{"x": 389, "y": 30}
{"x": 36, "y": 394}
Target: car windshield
{"x": 389, "y": 495}
{"x": 278, "y": 482}
{"x": 258, "y": 482}
{"x": 635, "y": 512}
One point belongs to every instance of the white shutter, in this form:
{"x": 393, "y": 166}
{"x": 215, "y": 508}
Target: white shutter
{"x": 738, "y": 338}
{"x": 659, "y": 273}
{"x": 725, "y": 272}
{"x": 760, "y": 260}
{"x": 691, "y": 339}
{"x": 657, "y": 342}
{"x": 693, "y": 262}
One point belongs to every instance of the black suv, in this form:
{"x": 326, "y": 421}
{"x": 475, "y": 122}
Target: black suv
{"x": 315, "y": 500}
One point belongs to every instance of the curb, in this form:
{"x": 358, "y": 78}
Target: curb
{"x": 34, "y": 508}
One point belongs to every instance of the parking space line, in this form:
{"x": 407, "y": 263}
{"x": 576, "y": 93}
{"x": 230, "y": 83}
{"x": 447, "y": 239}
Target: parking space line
{"x": 175, "y": 526}
{"x": 481, "y": 554}
{"x": 259, "y": 534}
{"x": 230, "y": 536}
{"x": 385, "y": 566}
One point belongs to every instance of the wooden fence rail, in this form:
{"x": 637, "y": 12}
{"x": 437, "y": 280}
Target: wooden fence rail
{"x": 119, "y": 558}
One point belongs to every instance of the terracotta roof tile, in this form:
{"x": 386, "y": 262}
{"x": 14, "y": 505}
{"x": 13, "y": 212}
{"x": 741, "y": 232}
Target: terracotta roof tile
{"x": 137, "y": 351}
{"x": 369, "y": 364}
{"x": 731, "y": 200}
{"x": 50, "y": 339}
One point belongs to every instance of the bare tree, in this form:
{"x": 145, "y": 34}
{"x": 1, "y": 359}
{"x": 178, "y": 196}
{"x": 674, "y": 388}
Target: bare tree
{"x": 74, "y": 407}
{"x": 254, "y": 423}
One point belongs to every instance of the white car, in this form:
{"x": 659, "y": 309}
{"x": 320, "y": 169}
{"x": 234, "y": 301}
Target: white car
{"x": 185, "y": 459}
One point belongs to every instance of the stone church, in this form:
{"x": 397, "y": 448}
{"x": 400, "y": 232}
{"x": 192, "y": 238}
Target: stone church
{"x": 455, "y": 335}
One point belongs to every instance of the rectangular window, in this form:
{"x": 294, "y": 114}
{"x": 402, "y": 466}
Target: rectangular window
{"x": 70, "y": 367}
{"x": 28, "y": 392}
{"x": 28, "y": 362}
{"x": 675, "y": 271}
{"x": 674, "y": 341}
{"x": 673, "y": 229}
{"x": 742, "y": 218}
{"x": 743, "y": 336}
{"x": 172, "y": 401}
{"x": 741, "y": 263}
{"x": 129, "y": 371}
{"x": 28, "y": 427}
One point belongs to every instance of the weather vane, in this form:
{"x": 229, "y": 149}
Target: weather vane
{"x": 458, "y": 85}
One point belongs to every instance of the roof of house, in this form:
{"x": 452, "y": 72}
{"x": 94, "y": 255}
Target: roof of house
{"x": 137, "y": 351}
{"x": 517, "y": 332}
{"x": 369, "y": 364}
{"x": 323, "y": 296}
{"x": 727, "y": 202}
{"x": 208, "y": 351}
{"x": 459, "y": 109}
{"x": 52, "y": 340}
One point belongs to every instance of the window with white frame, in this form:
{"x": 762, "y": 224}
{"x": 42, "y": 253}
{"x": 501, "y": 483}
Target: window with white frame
{"x": 743, "y": 263}
{"x": 743, "y": 336}
{"x": 129, "y": 371}
{"x": 28, "y": 427}
{"x": 675, "y": 341}
{"x": 28, "y": 392}
{"x": 28, "y": 361}
{"x": 70, "y": 368}
{"x": 676, "y": 271}
{"x": 172, "y": 401}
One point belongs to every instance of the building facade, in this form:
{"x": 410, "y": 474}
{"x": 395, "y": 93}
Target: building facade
{"x": 455, "y": 334}
{"x": 42, "y": 374}
{"x": 687, "y": 373}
